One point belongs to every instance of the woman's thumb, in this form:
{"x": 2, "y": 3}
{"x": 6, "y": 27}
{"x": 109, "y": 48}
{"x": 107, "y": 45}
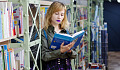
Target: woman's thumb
{"x": 62, "y": 44}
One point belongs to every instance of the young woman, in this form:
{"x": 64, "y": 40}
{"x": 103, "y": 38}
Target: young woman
{"x": 56, "y": 22}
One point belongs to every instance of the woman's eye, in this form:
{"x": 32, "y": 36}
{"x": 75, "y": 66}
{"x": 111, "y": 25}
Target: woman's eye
{"x": 56, "y": 13}
{"x": 62, "y": 14}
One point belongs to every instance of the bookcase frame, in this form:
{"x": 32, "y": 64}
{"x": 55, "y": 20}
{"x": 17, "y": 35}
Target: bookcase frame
{"x": 88, "y": 24}
{"x": 26, "y": 44}
{"x": 72, "y": 28}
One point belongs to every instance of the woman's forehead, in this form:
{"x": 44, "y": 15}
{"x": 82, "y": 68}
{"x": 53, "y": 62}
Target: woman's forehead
{"x": 60, "y": 10}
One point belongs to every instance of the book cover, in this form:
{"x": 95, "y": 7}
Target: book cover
{"x": 58, "y": 39}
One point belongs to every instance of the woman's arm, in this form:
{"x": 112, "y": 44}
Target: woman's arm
{"x": 48, "y": 54}
{"x": 73, "y": 54}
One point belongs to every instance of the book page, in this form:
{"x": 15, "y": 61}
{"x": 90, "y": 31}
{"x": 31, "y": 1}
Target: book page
{"x": 77, "y": 33}
{"x": 64, "y": 34}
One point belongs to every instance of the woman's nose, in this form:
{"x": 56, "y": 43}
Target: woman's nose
{"x": 59, "y": 16}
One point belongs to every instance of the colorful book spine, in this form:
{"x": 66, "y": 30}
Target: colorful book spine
{"x": 18, "y": 18}
{"x": 13, "y": 65}
{"x": 43, "y": 11}
{"x": 100, "y": 49}
{"x": 1, "y": 59}
{"x": 22, "y": 59}
{"x": 2, "y": 14}
{"x": 8, "y": 63}
{"x": 1, "y": 35}
{"x": 5, "y": 20}
{"x": 5, "y": 56}
{"x": 6, "y": 16}
{"x": 9, "y": 4}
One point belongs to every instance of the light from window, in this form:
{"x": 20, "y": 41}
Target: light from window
{"x": 118, "y": 1}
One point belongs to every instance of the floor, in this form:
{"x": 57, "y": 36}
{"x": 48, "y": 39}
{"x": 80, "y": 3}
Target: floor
{"x": 113, "y": 60}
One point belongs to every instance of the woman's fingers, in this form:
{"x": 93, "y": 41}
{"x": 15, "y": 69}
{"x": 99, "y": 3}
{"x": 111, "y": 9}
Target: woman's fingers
{"x": 62, "y": 44}
{"x": 71, "y": 44}
{"x": 66, "y": 47}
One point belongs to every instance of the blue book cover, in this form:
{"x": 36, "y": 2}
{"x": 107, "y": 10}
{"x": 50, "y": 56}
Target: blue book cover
{"x": 1, "y": 36}
{"x": 58, "y": 39}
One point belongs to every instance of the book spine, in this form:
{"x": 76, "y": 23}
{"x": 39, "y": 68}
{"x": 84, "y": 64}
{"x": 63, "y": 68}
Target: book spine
{"x": 8, "y": 63}
{"x": 5, "y": 57}
{"x": 2, "y": 17}
{"x": 13, "y": 60}
{"x": 1, "y": 35}
{"x": 22, "y": 59}
{"x": 9, "y": 14}
{"x": 1, "y": 59}
{"x": 100, "y": 55}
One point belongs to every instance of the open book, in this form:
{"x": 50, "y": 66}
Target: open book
{"x": 59, "y": 38}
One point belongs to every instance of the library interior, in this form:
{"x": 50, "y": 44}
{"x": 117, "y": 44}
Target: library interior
{"x": 59, "y": 35}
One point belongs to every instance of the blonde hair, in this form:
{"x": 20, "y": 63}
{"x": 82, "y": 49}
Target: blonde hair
{"x": 55, "y": 7}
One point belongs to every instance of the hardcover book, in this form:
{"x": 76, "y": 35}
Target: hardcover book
{"x": 59, "y": 38}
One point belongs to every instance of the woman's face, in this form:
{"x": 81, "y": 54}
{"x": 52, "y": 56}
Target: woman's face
{"x": 57, "y": 17}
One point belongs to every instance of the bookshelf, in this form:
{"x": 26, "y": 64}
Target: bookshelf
{"x": 78, "y": 22}
{"x": 96, "y": 28}
{"x": 26, "y": 43}
{"x": 87, "y": 24}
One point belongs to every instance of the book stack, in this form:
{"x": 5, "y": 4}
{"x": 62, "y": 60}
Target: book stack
{"x": 7, "y": 59}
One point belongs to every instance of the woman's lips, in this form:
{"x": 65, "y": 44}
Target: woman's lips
{"x": 58, "y": 20}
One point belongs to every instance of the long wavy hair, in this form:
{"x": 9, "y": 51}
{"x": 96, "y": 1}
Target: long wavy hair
{"x": 55, "y": 7}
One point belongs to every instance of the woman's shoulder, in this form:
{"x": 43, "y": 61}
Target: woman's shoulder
{"x": 64, "y": 31}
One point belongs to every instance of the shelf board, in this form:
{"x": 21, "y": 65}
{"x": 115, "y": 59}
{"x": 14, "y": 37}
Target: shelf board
{"x": 81, "y": 20}
{"x": 80, "y": 6}
{"x": 12, "y": 37}
{"x": 3, "y": 0}
{"x": 45, "y": 3}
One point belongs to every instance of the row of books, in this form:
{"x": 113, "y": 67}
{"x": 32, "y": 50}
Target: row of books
{"x": 18, "y": 18}
{"x": 10, "y": 18}
{"x": 99, "y": 41}
{"x": 79, "y": 17}
{"x": 9, "y": 60}
{"x": 6, "y": 20}
{"x": 81, "y": 13}
{"x": 11, "y": 21}
{"x": 43, "y": 11}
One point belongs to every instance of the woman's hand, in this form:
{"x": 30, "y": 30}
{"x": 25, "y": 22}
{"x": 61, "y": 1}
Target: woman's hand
{"x": 66, "y": 47}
